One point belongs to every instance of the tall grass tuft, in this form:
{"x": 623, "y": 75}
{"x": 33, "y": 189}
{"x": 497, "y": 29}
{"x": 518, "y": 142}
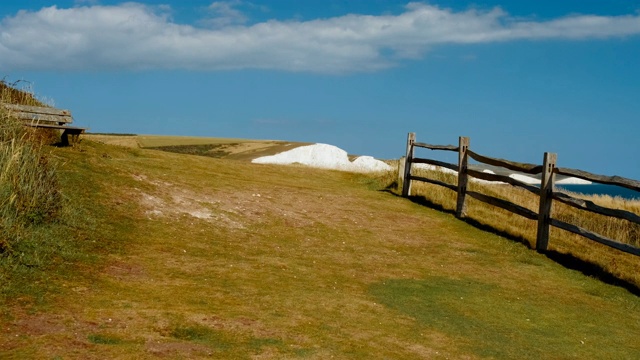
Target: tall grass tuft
{"x": 29, "y": 191}
{"x": 18, "y": 92}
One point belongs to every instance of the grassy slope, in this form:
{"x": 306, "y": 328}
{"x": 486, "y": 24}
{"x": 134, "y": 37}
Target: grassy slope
{"x": 236, "y": 149}
{"x": 186, "y": 257}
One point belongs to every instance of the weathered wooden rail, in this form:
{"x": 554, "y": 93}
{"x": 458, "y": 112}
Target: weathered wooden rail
{"x": 546, "y": 192}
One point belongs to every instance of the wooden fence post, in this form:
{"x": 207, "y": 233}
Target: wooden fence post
{"x": 462, "y": 176}
{"x": 401, "y": 163}
{"x": 546, "y": 190}
{"x": 406, "y": 183}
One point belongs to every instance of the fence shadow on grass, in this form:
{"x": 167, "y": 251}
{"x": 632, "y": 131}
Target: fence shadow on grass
{"x": 569, "y": 261}
{"x": 421, "y": 200}
{"x": 590, "y": 269}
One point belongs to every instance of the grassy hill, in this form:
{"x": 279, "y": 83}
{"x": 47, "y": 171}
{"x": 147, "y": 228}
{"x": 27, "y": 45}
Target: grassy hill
{"x": 221, "y": 148}
{"x": 166, "y": 255}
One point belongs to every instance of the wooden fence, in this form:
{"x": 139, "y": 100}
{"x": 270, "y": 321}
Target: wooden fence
{"x": 546, "y": 190}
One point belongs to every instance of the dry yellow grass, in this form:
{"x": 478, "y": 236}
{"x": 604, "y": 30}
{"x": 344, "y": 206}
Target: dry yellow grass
{"x": 175, "y": 256}
{"x": 150, "y": 141}
{"x": 238, "y": 149}
{"x": 29, "y": 191}
{"x": 573, "y": 250}
{"x": 130, "y": 141}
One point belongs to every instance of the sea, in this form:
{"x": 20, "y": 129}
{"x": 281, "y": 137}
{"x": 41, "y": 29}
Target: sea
{"x": 601, "y": 189}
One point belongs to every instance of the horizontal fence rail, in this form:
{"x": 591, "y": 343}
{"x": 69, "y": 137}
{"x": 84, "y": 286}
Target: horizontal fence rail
{"x": 436, "y": 182}
{"x": 595, "y": 237}
{"x": 504, "y": 204}
{"x": 590, "y": 206}
{"x": 511, "y": 165}
{"x": 436, "y": 163}
{"x": 608, "y": 180}
{"x": 437, "y": 147}
{"x": 503, "y": 178}
{"x": 545, "y": 192}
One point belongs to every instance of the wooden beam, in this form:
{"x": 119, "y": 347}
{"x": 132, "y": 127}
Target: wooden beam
{"x": 504, "y": 204}
{"x": 590, "y": 206}
{"x": 596, "y": 237}
{"x": 56, "y": 126}
{"x": 435, "y": 182}
{"x": 37, "y": 118}
{"x": 36, "y": 114}
{"x": 436, "y": 147}
{"x": 37, "y": 109}
{"x": 503, "y": 178}
{"x": 546, "y": 196}
{"x": 608, "y": 180}
{"x": 401, "y": 165}
{"x": 406, "y": 186}
{"x": 443, "y": 164}
{"x": 463, "y": 165}
{"x": 511, "y": 165}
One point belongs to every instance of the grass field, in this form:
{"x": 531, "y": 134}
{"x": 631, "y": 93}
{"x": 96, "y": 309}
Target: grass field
{"x": 220, "y": 148}
{"x": 164, "y": 255}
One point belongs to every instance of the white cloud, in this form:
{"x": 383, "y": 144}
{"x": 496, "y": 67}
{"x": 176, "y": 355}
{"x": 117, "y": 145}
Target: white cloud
{"x": 225, "y": 13}
{"x": 136, "y": 36}
{"x": 86, "y": 2}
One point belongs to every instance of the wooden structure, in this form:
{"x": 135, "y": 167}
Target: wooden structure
{"x": 47, "y": 118}
{"x": 547, "y": 171}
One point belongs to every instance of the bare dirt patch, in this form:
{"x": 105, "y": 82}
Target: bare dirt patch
{"x": 167, "y": 200}
{"x": 232, "y": 209}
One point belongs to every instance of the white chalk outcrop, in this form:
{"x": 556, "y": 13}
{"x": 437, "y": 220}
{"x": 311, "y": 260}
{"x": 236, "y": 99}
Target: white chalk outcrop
{"x": 369, "y": 163}
{"x": 525, "y": 179}
{"x": 324, "y": 156}
{"x": 566, "y": 181}
{"x": 434, "y": 168}
{"x": 573, "y": 181}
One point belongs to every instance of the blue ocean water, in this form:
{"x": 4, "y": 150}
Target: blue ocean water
{"x": 600, "y": 189}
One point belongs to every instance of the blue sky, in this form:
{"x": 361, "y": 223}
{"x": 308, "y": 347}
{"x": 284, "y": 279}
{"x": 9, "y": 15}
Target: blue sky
{"x": 518, "y": 77}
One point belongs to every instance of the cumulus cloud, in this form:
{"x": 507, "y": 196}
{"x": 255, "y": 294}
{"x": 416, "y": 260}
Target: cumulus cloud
{"x": 136, "y": 36}
{"x": 86, "y": 2}
{"x": 225, "y": 13}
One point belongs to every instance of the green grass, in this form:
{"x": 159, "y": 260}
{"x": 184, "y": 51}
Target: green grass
{"x": 485, "y": 323}
{"x": 212, "y": 150}
{"x": 221, "y": 341}
{"x": 179, "y": 256}
{"x": 104, "y": 339}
